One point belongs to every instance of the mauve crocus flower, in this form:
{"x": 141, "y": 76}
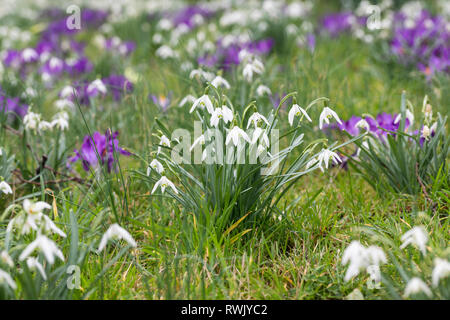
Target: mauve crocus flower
{"x": 12, "y": 105}
{"x": 337, "y": 23}
{"x": 99, "y": 147}
{"x": 188, "y": 15}
{"x": 163, "y": 102}
{"x": 118, "y": 85}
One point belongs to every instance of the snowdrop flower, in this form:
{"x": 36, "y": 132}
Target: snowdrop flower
{"x": 95, "y": 87}
{"x": 208, "y": 76}
{"x": 234, "y": 136}
{"x": 219, "y": 81}
{"x": 6, "y": 258}
{"x": 165, "y": 52}
{"x": 5, "y": 277}
{"x": 441, "y": 270}
{"x": 326, "y": 114}
{"x": 416, "y": 236}
{"x": 50, "y": 226}
{"x": 415, "y": 286}
{"x": 426, "y": 132}
{"x": 375, "y": 255}
{"x": 188, "y": 98}
{"x": 29, "y": 55}
{"x": 260, "y": 133}
{"x": 428, "y": 112}
{"x": 223, "y": 113}
{"x": 163, "y": 142}
{"x": 45, "y": 125}
{"x": 46, "y": 246}
{"x": 67, "y": 92}
{"x": 116, "y": 232}
{"x": 256, "y": 118}
{"x": 164, "y": 183}
{"x": 199, "y": 140}
{"x": 361, "y": 258}
{"x": 155, "y": 165}
{"x": 5, "y": 188}
{"x": 202, "y": 102}
{"x": 362, "y": 124}
{"x": 409, "y": 116}
{"x": 60, "y": 121}
{"x": 35, "y": 208}
{"x": 262, "y": 90}
{"x": 33, "y": 264}
{"x": 296, "y": 111}
{"x": 63, "y": 104}
{"x": 32, "y": 120}
{"x": 324, "y": 157}
{"x": 252, "y": 67}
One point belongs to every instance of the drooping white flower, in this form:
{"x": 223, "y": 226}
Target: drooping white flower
{"x": 5, "y": 188}
{"x": 45, "y": 125}
{"x": 34, "y": 208}
{"x": 6, "y": 258}
{"x": 50, "y": 226}
{"x": 218, "y": 81}
{"x": 164, "y": 141}
{"x": 260, "y": 134}
{"x": 155, "y": 165}
{"x": 33, "y": 263}
{"x": 116, "y": 232}
{"x": 256, "y": 118}
{"x": 188, "y": 98}
{"x": 46, "y": 246}
{"x": 60, "y": 120}
{"x": 5, "y": 277}
{"x": 208, "y": 76}
{"x": 416, "y": 236}
{"x": 199, "y": 140}
{"x": 262, "y": 90}
{"x": 95, "y": 87}
{"x": 67, "y": 92}
{"x": 235, "y": 134}
{"x": 441, "y": 270}
{"x": 202, "y": 102}
{"x": 324, "y": 157}
{"x": 251, "y": 67}
{"x": 409, "y": 116}
{"x": 415, "y": 286}
{"x": 361, "y": 258}
{"x": 362, "y": 124}
{"x": 164, "y": 183}
{"x": 326, "y": 115}
{"x": 31, "y": 120}
{"x": 63, "y": 104}
{"x": 223, "y": 113}
{"x": 297, "y": 111}
{"x": 165, "y": 52}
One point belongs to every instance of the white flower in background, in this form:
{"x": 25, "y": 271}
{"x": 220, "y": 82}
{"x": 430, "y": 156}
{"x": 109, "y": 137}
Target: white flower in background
{"x": 46, "y": 246}
{"x": 256, "y": 118}
{"x": 34, "y": 208}
{"x": 223, "y": 113}
{"x": 50, "y": 226}
{"x": 60, "y": 120}
{"x": 164, "y": 183}
{"x": 416, "y": 236}
{"x": 31, "y": 120}
{"x": 165, "y": 52}
{"x": 263, "y": 90}
{"x": 409, "y": 116}
{"x": 163, "y": 142}
{"x": 362, "y": 124}
{"x": 157, "y": 38}
{"x": 199, "y": 140}
{"x": 95, "y": 87}
{"x": 34, "y": 264}
{"x": 324, "y": 157}
{"x": 260, "y": 134}
{"x": 67, "y": 92}
{"x": 218, "y": 81}
{"x": 45, "y": 125}
{"x": 6, "y": 258}
{"x": 327, "y": 114}
{"x": 5, "y": 188}
{"x": 441, "y": 270}
{"x": 29, "y": 55}
{"x": 415, "y": 286}
{"x": 426, "y": 132}
{"x": 29, "y": 92}
{"x": 428, "y": 112}
{"x": 63, "y": 104}
{"x": 5, "y": 277}
{"x": 254, "y": 66}
{"x": 208, "y": 76}
{"x": 164, "y": 24}
{"x": 188, "y": 98}
{"x": 365, "y": 145}
{"x": 362, "y": 258}
{"x": 235, "y": 134}
{"x": 203, "y": 102}
{"x": 116, "y": 232}
{"x": 297, "y": 111}
{"x": 155, "y": 165}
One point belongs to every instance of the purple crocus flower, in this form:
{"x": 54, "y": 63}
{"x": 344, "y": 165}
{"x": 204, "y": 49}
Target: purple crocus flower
{"x": 99, "y": 147}
{"x": 12, "y": 105}
{"x": 337, "y": 23}
{"x": 163, "y": 102}
{"x": 187, "y": 16}
{"x": 118, "y": 85}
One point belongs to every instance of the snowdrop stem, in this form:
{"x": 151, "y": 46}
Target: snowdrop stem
{"x": 247, "y": 109}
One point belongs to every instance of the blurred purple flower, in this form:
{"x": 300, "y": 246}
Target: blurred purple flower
{"x": 163, "y": 102}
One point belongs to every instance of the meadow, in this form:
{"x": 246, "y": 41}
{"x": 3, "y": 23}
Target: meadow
{"x": 95, "y": 204}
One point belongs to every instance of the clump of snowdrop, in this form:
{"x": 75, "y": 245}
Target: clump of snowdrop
{"x": 416, "y": 286}
{"x": 361, "y": 258}
{"x": 418, "y": 237}
{"x": 116, "y": 232}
